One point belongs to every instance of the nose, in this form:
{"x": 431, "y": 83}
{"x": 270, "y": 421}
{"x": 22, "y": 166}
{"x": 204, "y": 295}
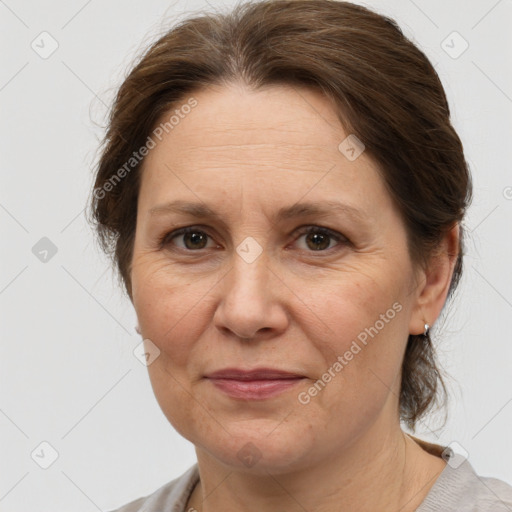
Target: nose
{"x": 251, "y": 304}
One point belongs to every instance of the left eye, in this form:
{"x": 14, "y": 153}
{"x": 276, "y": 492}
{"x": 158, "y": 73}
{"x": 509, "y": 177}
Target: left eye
{"x": 317, "y": 239}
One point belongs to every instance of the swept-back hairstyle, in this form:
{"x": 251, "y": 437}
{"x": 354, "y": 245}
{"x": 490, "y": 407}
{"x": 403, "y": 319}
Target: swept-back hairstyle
{"x": 385, "y": 90}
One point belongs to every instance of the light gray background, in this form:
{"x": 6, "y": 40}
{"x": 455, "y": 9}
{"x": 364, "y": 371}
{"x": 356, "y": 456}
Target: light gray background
{"x": 68, "y": 375}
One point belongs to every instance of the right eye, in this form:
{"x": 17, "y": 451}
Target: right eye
{"x": 192, "y": 237}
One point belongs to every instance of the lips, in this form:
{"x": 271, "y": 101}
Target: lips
{"x": 255, "y": 384}
{"x": 254, "y": 374}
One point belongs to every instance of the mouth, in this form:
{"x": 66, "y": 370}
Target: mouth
{"x": 256, "y": 384}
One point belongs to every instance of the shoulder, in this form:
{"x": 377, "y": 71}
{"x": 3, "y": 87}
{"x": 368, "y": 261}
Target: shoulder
{"x": 460, "y": 488}
{"x": 493, "y": 493}
{"x": 171, "y": 496}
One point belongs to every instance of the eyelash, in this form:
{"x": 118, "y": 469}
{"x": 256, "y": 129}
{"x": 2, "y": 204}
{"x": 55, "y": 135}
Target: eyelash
{"x": 342, "y": 240}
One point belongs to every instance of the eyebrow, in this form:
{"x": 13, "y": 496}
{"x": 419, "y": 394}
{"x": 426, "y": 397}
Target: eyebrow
{"x": 307, "y": 209}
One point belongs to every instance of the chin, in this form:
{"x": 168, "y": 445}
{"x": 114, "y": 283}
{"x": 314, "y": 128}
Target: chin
{"x": 259, "y": 448}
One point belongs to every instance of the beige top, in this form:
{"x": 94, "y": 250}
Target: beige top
{"x": 457, "y": 489}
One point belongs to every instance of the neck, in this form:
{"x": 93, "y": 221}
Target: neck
{"x": 377, "y": 472}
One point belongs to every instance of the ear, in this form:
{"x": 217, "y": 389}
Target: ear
{"x": 434, "y": 283}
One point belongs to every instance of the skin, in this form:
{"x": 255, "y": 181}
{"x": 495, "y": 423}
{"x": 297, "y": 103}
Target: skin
{"x": 246, "y": 154}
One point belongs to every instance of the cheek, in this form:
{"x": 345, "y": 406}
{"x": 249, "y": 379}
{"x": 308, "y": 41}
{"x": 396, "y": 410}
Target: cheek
{"x": 171, "y": 312}
{"x": 353, "y": 304}
{"x": 170, "y": 309}
{"x": 172, "y": 393}
{"x": 366, "y": 330}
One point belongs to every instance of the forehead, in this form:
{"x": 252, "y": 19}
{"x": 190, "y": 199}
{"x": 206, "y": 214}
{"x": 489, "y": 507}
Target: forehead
{"x": 295, "y": 123}
{"x": 281, "y": 138}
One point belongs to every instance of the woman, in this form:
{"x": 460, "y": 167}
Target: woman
{"x": 283, "y": 194}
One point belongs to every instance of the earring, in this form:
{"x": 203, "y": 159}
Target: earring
{"x": 137, "y": 329}
{"x": 427, "y": 329}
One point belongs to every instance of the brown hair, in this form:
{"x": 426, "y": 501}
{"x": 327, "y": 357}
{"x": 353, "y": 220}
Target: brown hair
{"x": 385, "y": 89}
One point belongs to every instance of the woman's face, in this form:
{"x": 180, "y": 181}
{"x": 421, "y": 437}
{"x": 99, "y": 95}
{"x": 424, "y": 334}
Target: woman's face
{"x": 248, "y": 288}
